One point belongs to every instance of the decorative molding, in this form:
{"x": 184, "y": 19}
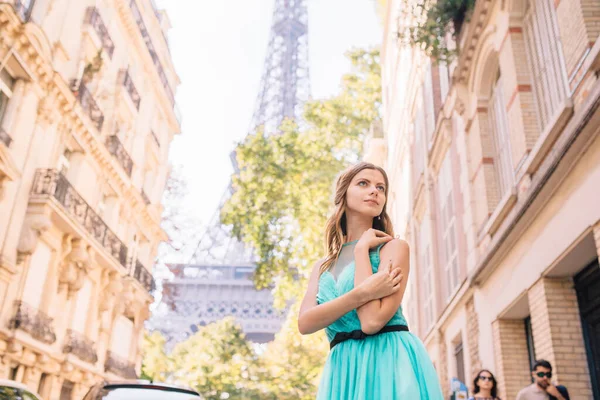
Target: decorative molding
{"x": 75, "y": 264}
{"x": 33, "y": 227}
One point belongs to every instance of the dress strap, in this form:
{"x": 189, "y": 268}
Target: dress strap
{"x": 360, "y": 335}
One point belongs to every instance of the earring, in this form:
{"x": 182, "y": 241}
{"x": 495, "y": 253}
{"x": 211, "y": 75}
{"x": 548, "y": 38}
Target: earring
{"x": 379, "y": 217}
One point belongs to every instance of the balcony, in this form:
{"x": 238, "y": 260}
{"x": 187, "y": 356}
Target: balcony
{"x": 80, "y": 346}
{"x": 5, "y": 138}
{"x": 93, "y": 18}
{"x": 90, "y": 107}
{"x": 116, "y": 148}
{"x": 53, "y": 183}
{"x": 125, "y": 80}
{"x": 119, "y": 366}
{"x": 142, "y": 275}
{"x": 137, "y": 15}
{"x": 34, "y": 322}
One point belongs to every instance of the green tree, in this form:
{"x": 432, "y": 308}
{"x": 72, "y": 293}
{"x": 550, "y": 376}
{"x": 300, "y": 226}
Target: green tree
{"x": 283, "y": 190}
{"x": 217, "y": 361}
{"x": 291, "y": 366}
{"x": 155, "y": 364}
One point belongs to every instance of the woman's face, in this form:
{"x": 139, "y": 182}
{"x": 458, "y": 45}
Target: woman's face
{"x": 366, "y": 193}
{"x": 485, "y": 380}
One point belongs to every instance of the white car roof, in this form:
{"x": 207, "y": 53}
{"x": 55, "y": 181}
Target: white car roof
{"x": 18, "y": 385}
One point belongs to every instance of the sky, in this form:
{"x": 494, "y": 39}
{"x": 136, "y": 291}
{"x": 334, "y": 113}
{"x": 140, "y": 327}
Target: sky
{"x": 218, "y": 48}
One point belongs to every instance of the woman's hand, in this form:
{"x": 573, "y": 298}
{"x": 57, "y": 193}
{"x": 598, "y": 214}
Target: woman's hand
{"x": 372, "y": 238}
{"x": 383, "y": 283}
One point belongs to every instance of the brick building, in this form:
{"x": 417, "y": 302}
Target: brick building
{"x": 494, "y": 163}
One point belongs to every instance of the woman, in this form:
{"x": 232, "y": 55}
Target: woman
{"x": 484, "y": 386}
{"x": 373, "y": 355}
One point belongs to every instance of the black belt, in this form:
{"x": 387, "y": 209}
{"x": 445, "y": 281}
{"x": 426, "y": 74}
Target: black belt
{"x": 360, "y": 335}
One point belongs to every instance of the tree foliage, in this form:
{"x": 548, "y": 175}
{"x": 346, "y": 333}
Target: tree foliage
{"x": 219, "y": 362}
{"x": 283, "y": 190}
{"x": 434, "y": 25}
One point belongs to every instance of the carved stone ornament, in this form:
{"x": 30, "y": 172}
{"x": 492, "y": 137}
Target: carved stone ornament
{"x": 75, "y": 264}
{"x": 110, "y": 291}
{"x": 46, "y": 111}
{"x": 33, "y": 227}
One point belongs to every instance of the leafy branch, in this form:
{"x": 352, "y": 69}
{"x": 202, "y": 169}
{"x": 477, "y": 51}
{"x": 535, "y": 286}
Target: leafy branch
{"x": 430, "y": 25}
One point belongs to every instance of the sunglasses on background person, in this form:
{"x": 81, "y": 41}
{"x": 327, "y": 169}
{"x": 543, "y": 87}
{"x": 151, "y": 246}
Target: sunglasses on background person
{"x": 541, "y": 374}
{"x": 485, "y": 378}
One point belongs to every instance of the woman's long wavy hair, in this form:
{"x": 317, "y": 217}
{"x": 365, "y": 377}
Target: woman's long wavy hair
{"x": 336, "y": 229}
{"x": 494, "y": 391}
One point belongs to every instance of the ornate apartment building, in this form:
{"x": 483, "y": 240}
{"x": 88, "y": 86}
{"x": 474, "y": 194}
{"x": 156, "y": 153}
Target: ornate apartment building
{"x": 494, "y": 161}
{"x": 86, "y": 119}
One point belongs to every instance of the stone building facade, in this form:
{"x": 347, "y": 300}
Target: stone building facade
{"x": 86, "y": 119}
{"x": 494, "y": 161}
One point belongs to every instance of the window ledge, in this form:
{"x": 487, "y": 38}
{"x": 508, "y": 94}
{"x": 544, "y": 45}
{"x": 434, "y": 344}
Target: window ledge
{"x": 499, "y": 214}
{"x": 547, "y": 138}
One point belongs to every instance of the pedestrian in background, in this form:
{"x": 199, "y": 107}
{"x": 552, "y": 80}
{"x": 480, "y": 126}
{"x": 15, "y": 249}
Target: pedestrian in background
{"x": 485, "y": 386}
{"x": 542, "y": 387}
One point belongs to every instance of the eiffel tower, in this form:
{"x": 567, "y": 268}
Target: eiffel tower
{"x": 217, "y": 282}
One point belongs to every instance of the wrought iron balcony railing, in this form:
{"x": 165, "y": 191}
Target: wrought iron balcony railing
{"x": 53, "y": 183}
{"x": 137, "y": 15}
{"x": 119, "y": 366}
{"x": 142, "y": 275}
{"x": 116, "y": 148}
{"x": 5, "y": 138}
{"x": 95, "y": 20}
{"x": 34, "y": 322}
{"x": 80, "y": 346}
{"x": 125, "y": 80}
{"x": 90, "y": 107}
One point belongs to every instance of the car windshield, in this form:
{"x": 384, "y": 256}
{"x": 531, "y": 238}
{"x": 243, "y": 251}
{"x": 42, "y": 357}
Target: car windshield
{"x": 142, "y": 393}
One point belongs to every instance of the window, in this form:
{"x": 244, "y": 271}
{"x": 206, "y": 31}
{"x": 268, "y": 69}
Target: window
{"x": 428, "y": 103}
{"x": 544, "y": 54}
{"x": 121, "y": 336}
{"x": 43, "y": 385}
{"x": 13, "y": 373}
{"x": 64, "y": 162}
{"x": 530, "y": 346}
{"x": 460, "y": 362}
{"x": 499, "y": 128}
{"x": 6, "y": 90}
{"x": 66, "y": 392}
{"x": 84, "y": 296}
{"x": 449, "y": 248}
{"x": 418, "y": 162}
{"x": 444, "y": 81}
{"x": 426, "y": 277}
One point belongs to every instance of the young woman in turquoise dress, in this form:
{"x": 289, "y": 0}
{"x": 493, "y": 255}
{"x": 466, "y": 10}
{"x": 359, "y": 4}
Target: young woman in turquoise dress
{"x": 355, "y": 292}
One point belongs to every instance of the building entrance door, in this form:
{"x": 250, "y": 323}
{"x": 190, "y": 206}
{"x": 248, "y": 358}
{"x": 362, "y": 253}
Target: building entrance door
{"x": 587, "y": 285}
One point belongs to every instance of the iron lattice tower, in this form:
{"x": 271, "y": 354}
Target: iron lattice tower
{"x": 285, "y": 84}
{"x": 217, "y": 281}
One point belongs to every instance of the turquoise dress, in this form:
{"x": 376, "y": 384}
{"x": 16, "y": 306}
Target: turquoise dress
{"x": 388, "y": 366}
